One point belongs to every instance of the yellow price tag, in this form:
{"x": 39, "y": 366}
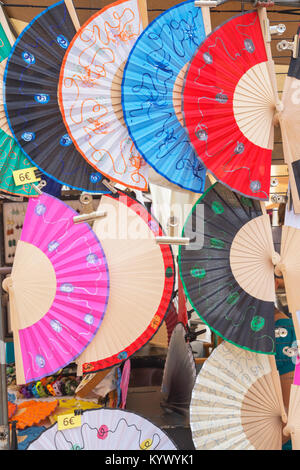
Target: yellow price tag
{"x": 68, "y": 421}
{"x": 25, "y": 176}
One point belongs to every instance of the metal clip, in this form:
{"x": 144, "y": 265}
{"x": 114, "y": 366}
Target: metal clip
{"x": 172, "y": 240}
{"x": 91, "y": 216}
{"x": 110, "y": 186}
{"x": 207, "y": 3}
{"x": 290, "y": 46}
{"x": 278, "y": 29}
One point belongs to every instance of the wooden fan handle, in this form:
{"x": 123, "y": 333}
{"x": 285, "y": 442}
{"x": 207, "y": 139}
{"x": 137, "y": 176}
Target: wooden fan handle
{"x": 277, "y": 386}
{"x": 142, "y": 4}
{"x": 73, "y": 14}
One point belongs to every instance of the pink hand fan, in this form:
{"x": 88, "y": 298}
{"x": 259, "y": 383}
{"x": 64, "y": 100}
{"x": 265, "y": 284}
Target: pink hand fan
{"x": 58, "y": 289}
{"x": 125, "y": 382}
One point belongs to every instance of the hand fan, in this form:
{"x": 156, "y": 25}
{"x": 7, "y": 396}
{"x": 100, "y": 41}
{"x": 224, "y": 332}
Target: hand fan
{"x": 227, "y": 270}
{"x": 141, "y": 282}
{"x": 235, "y": 403}
{"x": 179, "y": 363}
{"x": 289, "y": 266}
{"x": 90, "y": 91}
{"x": 12, "y": 158}
{"x": 58, "y": 289}
{"x": 106, "y": 429}
{"x": 162, "y": 338}
{"x": 31, "y": 81}
{"x": 151, "y": 94}
{"x": 290, "y": 124}
{"x": 229, "y": 102}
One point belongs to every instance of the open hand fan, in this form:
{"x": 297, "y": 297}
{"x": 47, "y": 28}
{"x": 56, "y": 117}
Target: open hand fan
{"x": 141, "y": 282}
{"x": 163, "y": 335}
{"x": 235, "y": 403}
{"x": 58, "y": 289}
{"x": 90, "y": 91}
{"x": 227, "y": 270}
{"x": 290, "y": 125}
{"x": 151, "y": 94}
{"x": 179, "y": 363}
{"x": 106, "y": 429}
{"x": 12, "y": 158}
{"x": 229, "y": 104}
{"x": 31, "y": 82}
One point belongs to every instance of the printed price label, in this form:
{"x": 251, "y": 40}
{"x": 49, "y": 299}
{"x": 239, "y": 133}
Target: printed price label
{"x": 25, "y": 176}
{"x": 68, "y": 421}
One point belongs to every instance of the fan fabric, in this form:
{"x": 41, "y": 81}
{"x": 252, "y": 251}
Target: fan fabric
{"x": 106, "y": 429}
{"x": 59, "y": 290}
{"x": 229, "y": 105}
{"x": 31, "y": 83}
{"x": 234, "y": 403}
{"x": 11, "y": 159}
{"x": 90, "y": 93}
{"x": 179, "y": 362}
{"x": 151, "y": 94}
{"x": 240, "y": 310}
{"x": 5, "y": 48}
{"x": 142, "y": 276}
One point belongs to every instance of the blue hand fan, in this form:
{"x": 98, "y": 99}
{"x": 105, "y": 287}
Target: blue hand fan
{"x": 151, "y": 94}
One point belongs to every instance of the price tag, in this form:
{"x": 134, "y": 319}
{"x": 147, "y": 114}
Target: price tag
{"x": 68, "y": 421}
{"x": 25, "y": 176}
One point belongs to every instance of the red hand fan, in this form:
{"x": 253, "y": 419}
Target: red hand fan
{"x": 229, "y": 103}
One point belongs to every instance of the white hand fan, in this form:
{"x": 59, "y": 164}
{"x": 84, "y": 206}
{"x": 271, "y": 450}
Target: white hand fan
{"x": 90, "y": 91}
{"x": 106, "y": 429}
{"x": 236, "y": 402}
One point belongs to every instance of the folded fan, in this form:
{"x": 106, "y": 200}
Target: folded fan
{"x": 30, "y": 94}
{"x": 151, "y": 94}
{"x": 90, "y": 92}
{"x": 58, "y": 289}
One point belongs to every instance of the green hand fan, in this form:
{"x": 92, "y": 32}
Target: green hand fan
{"x": 11, "y": 159}
{"x": 11, "y": 156}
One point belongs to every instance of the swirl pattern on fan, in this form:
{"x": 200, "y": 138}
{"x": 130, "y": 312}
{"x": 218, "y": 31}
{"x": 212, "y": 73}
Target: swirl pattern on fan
{"x": 151, "y": 93}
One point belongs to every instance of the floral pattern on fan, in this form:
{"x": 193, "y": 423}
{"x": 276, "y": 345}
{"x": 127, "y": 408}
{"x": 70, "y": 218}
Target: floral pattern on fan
{"x": 106, "y": 429}
{"x": 229, "y": 105}
{"x": 79, "y": 297}
{"x": 151, "y": 93}
{"x": 90, "y": 93}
